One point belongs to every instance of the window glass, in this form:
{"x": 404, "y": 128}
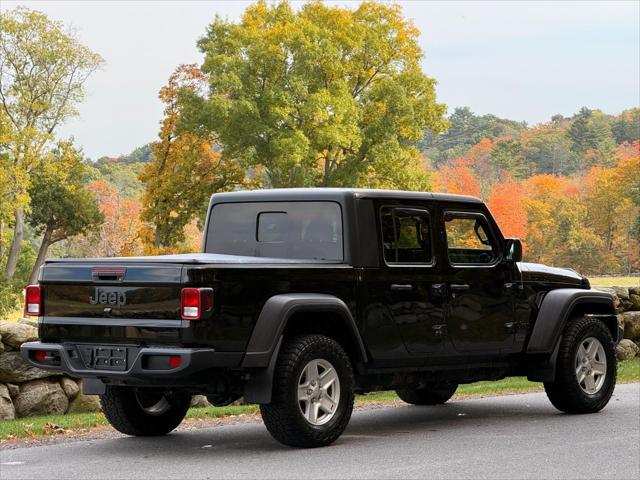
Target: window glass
{"x": 304, "y": 230}
{"x": 406, "y": 235}
{"x": 273, "y": 227}
{"x": 468, "y": 241}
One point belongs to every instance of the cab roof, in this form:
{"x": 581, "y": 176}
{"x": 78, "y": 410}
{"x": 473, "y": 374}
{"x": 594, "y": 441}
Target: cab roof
{"x": 335, "y": 194}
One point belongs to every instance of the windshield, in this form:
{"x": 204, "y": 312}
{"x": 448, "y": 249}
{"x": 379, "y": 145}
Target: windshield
{"x": 303, "y": 230}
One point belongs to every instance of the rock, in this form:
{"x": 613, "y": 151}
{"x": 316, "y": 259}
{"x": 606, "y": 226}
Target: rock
{"x": 635, "y": 302}
{"x": 14, "y": 390}
{"x": 14, "y": 370}
{"x": 1, "y": 345}
{"x": 199, "y": 401}
{"x": 634, "y": 290}
{"x": 621, "y": 292}
{"x": 71, "y": 388}
{"x": 15, "y": 334}
{"x": 616, "y": 299}
{"x": 26, "y": 321}
{"x": 85, "y": 403}
{"x": 626, "y": 350}
{"x": 7, "y": 410}
{"x": 631, "y": 326}
{"x": 41, "y": 397}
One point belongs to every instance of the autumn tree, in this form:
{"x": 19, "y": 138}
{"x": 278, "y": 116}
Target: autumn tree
{"x": 323, "y": 96}
{"x": 118, "y": 234}
{"x": 507, "y": 204}
{"x": 186, "y": 168}
{"x": 457, "y": 177}
{"x": 43, "y": 69}
{"x": 60, "y": 205}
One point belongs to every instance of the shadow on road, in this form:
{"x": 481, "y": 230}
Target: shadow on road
{"x": 367, "y": 425}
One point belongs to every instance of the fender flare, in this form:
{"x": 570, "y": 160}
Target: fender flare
{"x": 555, "y": 311}
{"x": 275, "y": 315}
{"x": 266, "y": 338}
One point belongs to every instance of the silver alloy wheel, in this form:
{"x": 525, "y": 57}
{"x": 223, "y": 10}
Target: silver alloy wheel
{"x": 318, "y": 391}
{"x": 153, "y": 403}
{"x": 591, "y": 365}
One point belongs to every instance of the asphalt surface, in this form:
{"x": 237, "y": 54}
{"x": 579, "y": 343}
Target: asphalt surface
{"x": 518, "y": 436}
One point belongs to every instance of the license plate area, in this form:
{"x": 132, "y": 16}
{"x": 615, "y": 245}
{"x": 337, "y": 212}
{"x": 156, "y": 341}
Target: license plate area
{"x": 104, "y": 357}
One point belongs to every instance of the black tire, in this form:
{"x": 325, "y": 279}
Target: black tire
{"x": 123, "y": 408}
{"x": 431, "y": 395}
{"x": 283, "y": 417}
{"x": 565, "y": 393}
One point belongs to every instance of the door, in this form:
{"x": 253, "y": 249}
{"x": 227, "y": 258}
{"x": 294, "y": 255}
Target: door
{"x": 412, "y": 296}
{"x": 479, "y": 284}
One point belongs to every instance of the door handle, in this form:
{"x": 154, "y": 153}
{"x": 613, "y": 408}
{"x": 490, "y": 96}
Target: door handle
{"x": 459, "y": 287}
{"x": 403, "y": 287}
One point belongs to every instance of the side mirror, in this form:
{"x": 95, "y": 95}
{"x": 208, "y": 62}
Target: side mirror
{"x": 513, "y": 247}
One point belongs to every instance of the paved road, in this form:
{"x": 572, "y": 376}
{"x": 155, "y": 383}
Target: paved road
{"x": 518, "y": 436}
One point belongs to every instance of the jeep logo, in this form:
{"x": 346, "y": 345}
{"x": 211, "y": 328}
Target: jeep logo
{"x": 103, "y": 296}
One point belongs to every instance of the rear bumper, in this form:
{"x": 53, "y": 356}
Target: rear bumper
{"x": 139, "y": 364}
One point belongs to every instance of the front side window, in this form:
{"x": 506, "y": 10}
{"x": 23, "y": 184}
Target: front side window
{"x": 406, "y": 235}
{"x": 468, "y": 239}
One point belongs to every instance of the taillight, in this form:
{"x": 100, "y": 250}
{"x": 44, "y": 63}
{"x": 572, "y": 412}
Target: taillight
{"x": 33, "y": 301}
{"x": 195, "y": 302}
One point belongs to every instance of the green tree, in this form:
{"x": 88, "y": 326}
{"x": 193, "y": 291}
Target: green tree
{"x": 507, "y": 156}
{"x": 466, "y": 130}
{"x": 60, "y": 205}
{"x": 626, "y": 127}
{"x": 42, "y": 73}
{"x": 548, "y": 150}
{"x": 322, "y": 96}
{"x": 591, "y": 132}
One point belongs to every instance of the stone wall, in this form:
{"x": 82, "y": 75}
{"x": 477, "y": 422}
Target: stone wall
{"x": 28, "y": 391}
{"x": 627, "y": 302}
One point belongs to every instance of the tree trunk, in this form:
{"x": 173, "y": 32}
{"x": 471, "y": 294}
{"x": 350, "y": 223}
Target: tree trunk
{"x": 42, "y": 255}
{"x": 1, "y": 239}
{"x": 16, "y": 244}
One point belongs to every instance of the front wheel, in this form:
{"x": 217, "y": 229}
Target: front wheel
{"x": 313, "y": 394}
{"x": 144, "y": 412}
{"x": 586, "y": 368}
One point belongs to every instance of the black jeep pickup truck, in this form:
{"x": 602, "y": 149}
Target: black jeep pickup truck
{"x": 304, "y": 297}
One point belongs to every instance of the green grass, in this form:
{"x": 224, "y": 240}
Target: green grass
{"x": 615, "y": 281}
{"x": 34, "y": 427}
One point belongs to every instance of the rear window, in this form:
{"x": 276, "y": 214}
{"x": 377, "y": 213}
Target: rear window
{"x": 303, "y": 230}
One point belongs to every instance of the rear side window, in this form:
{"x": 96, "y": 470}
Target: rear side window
{"x": 406, "y": 235}
{"x": 303, "y": 230}
{"x": 468, "y": 239}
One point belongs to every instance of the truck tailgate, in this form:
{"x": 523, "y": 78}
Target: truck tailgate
{"x": 87, "y": 301}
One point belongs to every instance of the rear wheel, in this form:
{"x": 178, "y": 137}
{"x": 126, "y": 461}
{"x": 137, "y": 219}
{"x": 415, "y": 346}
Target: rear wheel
{"x": 144, "y": 412}
{"x": 430, "y": 395}
{"x": 586, "y": 368}
{"x": 313, "y": 394}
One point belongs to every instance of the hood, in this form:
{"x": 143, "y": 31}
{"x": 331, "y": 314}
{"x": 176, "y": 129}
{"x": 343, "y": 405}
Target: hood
{"x": 536, "y": 272}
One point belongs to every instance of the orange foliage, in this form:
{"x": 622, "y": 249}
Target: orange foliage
{"x": 628, "y": 150}
{"x": 118, "y": 235}
{"x": 506, "y": 203}
{"x": 457, "y": 178}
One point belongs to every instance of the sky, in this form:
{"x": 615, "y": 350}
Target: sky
{"x": 520, "y": 60}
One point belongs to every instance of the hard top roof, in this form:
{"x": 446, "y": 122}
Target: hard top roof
{"x": 335, "y": 194}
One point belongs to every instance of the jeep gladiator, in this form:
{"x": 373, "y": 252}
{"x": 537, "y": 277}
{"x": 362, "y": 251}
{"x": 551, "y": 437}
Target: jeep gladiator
{"x": 303, "y": 297}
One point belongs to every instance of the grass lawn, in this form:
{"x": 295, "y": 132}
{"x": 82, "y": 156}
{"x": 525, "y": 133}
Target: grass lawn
{"x": 628, "y": 371}
{"x": 615, "y": 281}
